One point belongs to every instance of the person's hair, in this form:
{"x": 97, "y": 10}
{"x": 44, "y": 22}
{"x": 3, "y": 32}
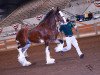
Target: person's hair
{"x": 67, "y": 20}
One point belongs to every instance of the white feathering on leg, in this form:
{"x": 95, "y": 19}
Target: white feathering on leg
{"x": 59, "y": 47}
{"x": 49, "y": 60}
{"x": 21, "y": 58}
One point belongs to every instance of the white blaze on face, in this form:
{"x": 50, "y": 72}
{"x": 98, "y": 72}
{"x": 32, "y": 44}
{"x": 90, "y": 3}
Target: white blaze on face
{"x": 62, "y": 15}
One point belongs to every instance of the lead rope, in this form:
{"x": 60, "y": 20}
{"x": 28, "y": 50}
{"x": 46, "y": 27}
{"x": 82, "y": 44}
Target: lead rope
{"x": 60, "y": 33}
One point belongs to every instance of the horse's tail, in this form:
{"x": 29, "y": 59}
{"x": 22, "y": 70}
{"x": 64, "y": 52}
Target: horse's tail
{"x": 22, "y": 37}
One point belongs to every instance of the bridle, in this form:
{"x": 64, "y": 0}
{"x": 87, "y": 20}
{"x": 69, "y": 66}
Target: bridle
{"x": 58, "y": 20}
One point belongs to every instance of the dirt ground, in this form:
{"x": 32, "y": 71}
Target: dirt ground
{"x": 67, "y": 64}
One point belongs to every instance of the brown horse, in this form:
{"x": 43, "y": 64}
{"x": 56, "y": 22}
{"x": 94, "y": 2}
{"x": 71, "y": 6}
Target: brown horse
{"x": 46, "y": 31}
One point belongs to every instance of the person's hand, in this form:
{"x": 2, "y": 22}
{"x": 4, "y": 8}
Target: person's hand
{"x": 75, "y": 28}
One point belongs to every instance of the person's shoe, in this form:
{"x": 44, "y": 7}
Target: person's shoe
{"x": 81, "y": 56}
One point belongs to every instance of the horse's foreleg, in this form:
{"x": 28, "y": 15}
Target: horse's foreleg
{"x": 59, "y": 45}
{"x": 49, "y": 60}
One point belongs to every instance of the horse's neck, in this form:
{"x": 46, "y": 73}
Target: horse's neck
{"x": 51, "y": 23}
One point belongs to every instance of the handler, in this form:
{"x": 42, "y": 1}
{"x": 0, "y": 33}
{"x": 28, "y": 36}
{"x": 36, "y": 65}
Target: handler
{"x": 66, "y": 28}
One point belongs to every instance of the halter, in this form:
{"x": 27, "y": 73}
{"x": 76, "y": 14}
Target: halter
{"x": 57, "y": 22}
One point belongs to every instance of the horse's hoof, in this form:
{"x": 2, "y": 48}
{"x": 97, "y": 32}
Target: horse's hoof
{"x": 50, "y": 61}
{"x": 27, "y": 64}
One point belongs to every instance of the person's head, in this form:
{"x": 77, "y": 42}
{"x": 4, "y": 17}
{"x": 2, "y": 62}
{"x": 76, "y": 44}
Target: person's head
{"x": 67, "y": 20}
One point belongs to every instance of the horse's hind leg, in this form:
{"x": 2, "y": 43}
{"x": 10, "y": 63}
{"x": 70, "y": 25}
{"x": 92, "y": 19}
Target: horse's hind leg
{"x": 59, "y": 45}
{"x": 25, "y": 48}
{"x": 21, "y": 56}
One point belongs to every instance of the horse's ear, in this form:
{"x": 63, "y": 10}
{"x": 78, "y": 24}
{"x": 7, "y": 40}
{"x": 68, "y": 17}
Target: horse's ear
{"x": 58, "y": 9}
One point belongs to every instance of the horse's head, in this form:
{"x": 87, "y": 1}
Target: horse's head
{"x": 52, "y": 17}
{"x": 58, "y": 15}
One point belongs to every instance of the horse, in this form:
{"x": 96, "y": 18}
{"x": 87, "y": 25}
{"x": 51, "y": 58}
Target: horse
{"x": 46, "y": 31}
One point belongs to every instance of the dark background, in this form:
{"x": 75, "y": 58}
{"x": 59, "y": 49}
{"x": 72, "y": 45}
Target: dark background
{"x": 8, "y": 3}
{"x": 7, "y": 6}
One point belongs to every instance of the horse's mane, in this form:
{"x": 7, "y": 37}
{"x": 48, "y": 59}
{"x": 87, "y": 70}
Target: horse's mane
{"x": 48, "y": 15}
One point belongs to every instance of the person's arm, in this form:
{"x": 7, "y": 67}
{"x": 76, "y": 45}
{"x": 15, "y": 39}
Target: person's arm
{"x": 74, "y": 26}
